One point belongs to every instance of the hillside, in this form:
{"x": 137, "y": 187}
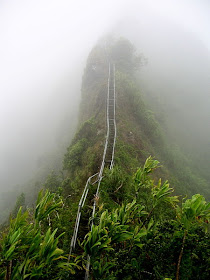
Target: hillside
{"x": 140, "y": 229}
{"x": 139, "y": 134}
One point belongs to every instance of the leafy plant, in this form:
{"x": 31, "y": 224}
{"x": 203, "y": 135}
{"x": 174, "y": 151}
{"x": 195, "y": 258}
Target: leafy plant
{"x": 27, "y": 250}
{"x": 193, "y": 211}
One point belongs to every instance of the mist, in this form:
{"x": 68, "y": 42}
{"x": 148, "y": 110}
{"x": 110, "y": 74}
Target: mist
{"x": 43, "y": 51}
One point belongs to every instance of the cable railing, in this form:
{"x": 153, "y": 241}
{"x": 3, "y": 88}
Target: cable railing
{"x": 107, "y": 160}
{"x": 109, "y": 148}
{"x": 79, "y": 211}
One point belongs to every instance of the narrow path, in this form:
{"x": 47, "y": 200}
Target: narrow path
{"x": 108, "y": 156}
{"x": 107, "y": 161}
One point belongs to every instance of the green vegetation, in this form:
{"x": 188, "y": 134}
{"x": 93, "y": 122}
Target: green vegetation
{"x": 141, "y": 230}
{"x": 150, "y": 235}
{"x": 29, "y": 247}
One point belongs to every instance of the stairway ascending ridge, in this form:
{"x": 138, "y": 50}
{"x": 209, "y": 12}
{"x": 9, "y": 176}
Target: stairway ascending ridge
{"x": 107, "y": 161}
{"x": 111, "y": 123}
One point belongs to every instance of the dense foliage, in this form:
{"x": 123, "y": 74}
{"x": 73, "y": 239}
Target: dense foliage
{"x": 29, "y": 246}
{"x": 150, "y": 235}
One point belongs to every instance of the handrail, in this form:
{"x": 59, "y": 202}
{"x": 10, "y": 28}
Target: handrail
{"x": 80, "y": 206}
{"x": 115, "y": 127}
{"x": 105, "y": 150}
{"x": 111, "y": 86}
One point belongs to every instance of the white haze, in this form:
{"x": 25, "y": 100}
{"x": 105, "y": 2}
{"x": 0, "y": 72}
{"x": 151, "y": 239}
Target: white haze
{"x": 43, "y": 49}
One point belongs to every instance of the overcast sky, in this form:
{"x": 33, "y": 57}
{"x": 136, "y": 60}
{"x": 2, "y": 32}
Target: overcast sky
{"x": 43, "y": 48}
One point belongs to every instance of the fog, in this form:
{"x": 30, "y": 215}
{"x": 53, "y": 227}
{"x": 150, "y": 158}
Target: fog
{"x": 43, "y": 50}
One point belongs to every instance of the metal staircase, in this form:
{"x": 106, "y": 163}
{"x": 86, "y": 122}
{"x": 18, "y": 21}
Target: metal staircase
{"x": 111, "y": 123}
{"x": 107, "y": 161}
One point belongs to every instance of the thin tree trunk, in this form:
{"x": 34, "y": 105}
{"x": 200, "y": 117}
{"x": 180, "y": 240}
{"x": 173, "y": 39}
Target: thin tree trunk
{"x": 180, "y": 255}
{"x": 9, "y": 271}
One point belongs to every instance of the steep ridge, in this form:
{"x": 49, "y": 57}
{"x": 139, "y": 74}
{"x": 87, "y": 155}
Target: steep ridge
{"x": 139, "y": 134}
